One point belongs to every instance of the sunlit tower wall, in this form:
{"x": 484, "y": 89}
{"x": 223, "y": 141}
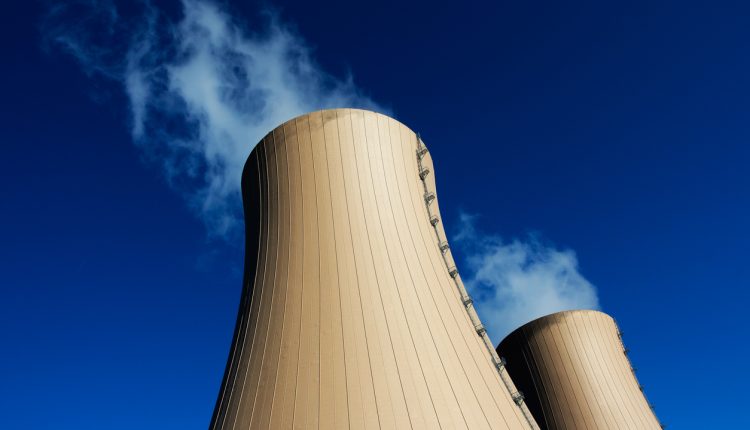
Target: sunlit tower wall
{"x": 574, "y": 373}
{"x": 352, "y": 313}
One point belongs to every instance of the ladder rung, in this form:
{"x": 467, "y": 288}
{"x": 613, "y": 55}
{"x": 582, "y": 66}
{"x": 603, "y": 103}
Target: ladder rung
{"x": 444, "y": 247}
{"x": 500, "y": 363}
{"x": 480, "y": 330}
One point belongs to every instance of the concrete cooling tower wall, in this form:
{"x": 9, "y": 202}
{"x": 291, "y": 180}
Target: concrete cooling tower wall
{"x": 572, "y": 369}
{"x": 352, "y": 313}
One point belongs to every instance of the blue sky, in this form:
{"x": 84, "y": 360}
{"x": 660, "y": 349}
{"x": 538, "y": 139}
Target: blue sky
{"x": 619, "y": 133}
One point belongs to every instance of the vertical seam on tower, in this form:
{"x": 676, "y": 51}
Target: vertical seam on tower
{"x": 606, "y": 414}
{"x": 369, "y": 361}
{"x": 554, "y": 398}
{"x": 372, "y": 259}
{"x": 288, "y": 264}
{"x": 317, "y": 224}
{"x": 387, "y": 253}
{"x": 411, "y": 277}
{"x": 268, "y": 328}
{"x": 625, "y": 410}
{"x": 647, "y": 412}
{"x": 245, "y": 307}
{"x": 302, "y": 292}
{"x": 434, "y": 301}
{"x": 560, "y": 376}
{"x": 565, "y": 326}
{"x": 338, "y": 276}
{"x": 242, "y": 350}
{"x": 287, "y": 228}
{"x": 603, "y": 367}
{"x": 611, "y": 375}
{"x": 564, "y": 372}
{"x": 533, "y": 370}
{"x": 616, "y": 348}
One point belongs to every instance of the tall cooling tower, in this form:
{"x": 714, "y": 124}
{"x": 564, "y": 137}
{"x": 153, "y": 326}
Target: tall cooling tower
{"x": 353, "y": 314}
{"x": 573, "y": 371}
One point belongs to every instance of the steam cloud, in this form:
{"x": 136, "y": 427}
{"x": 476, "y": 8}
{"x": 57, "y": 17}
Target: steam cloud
{"x": 202, "y": 89}
{"x": 515, "y": 282}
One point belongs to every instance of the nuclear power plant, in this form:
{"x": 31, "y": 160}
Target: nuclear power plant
{"x": 353, "y": 314}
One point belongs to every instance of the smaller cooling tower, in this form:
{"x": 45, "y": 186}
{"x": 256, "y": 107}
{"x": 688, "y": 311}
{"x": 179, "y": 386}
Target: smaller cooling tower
{"x": 572, "y": 369}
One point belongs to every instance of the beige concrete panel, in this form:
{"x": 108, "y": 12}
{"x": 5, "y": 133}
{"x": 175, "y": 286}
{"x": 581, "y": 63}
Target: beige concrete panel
{"x": 597, "y": 375}
{"x": 561, "y": 378}
{"x": 282, "y": 409}
{"x": 354, "y": 319}
{"x": 575, "y": 375}
{"x": 613, "y": 375}
{"x": 308, "y": 370}
{"x": 584, "y": 394}
{"x": 604, "y": 358}
{"x": 393, "y": 274}
{"x": 407, "y": 268}
{"x": 332, "y": 361}
{"x": 595, "y": 391}
{"x": 527, "y": 353}
{"x": 270, "y": 367}
{"x": 247, "y": 397}
{"x": 248, "y": 302}
{"x": 250, "y": 337}
{"x": 363, "y": 412}
{"x": 385, "y": 378}
{"x": 252, "y": 378}
{"x": 627, "y": 379}
{"x": 550, "y": 378}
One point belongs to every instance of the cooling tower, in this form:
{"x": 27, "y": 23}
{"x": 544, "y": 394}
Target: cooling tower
{"x": 572, "y": 369}
{"x": 352, "y": 313}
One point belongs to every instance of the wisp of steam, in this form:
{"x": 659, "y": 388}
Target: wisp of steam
{"x": 515, "y": 282}
{"x": 202, "y": 89}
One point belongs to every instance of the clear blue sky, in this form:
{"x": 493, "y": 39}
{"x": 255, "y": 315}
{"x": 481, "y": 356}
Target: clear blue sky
{"x": 621, "y": 132}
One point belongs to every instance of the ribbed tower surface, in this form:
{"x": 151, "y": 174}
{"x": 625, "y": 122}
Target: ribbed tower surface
{"x": 573, "y": 371}
{"x": 352, "y": 315}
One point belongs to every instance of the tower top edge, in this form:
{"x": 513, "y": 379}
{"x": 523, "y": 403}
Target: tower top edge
{"x": 340, "y": 109}
{"x": 564, "y": 313}
{"x": 321, "y": 112}
{"x": 263, "y": 142}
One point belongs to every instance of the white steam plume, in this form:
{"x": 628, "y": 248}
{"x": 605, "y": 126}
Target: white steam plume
{"x": 202, "y": 89}
{"x": 515, "y": 282}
